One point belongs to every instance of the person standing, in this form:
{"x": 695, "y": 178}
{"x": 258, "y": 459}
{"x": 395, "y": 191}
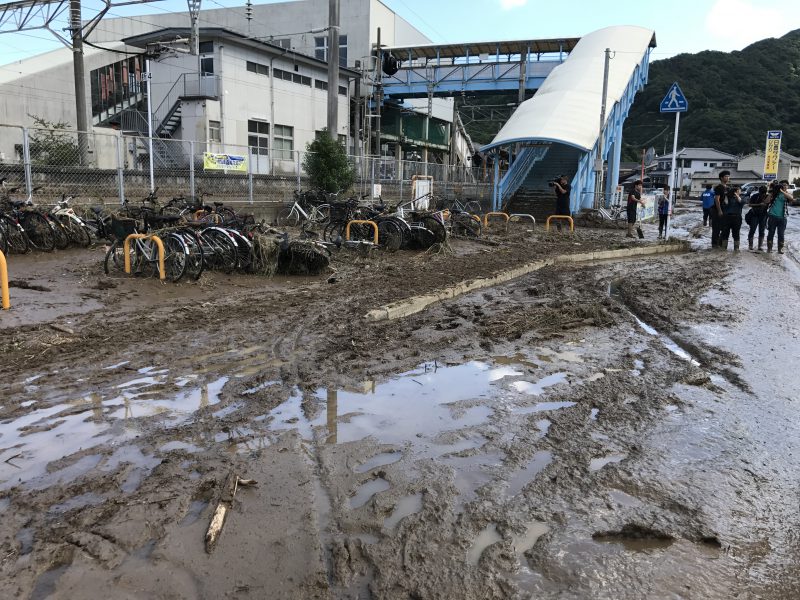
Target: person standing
{"x": 718, "y": 210}
{"x": 634, "y": 202}
{"x": 732, "y": 223}
{"x": 708, "y": 202}
{"x": 562, "y": 189}
{"x": 777, "y": 215}
{"x": 757, "y": 217}
{"x": 663, "y": 212}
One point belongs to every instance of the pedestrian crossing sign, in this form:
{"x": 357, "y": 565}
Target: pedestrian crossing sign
{"x": 675, "y": 101}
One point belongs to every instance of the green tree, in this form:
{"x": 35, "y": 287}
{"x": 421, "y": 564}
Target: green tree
{"x": 51, "y": 144}
{"x": 327, "y": 165}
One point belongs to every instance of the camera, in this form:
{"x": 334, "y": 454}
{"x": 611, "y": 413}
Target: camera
{"x": 553, "y": 181}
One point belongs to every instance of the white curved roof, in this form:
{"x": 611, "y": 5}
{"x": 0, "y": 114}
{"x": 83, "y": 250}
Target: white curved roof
{"x": 566, "y": 108}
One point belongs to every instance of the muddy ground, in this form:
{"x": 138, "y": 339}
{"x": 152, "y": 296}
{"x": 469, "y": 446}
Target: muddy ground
{"x": 624, "y": 429}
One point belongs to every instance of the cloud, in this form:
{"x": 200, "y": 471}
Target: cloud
{"x": 509, "y": 4}
{"x": 735, "y": 24}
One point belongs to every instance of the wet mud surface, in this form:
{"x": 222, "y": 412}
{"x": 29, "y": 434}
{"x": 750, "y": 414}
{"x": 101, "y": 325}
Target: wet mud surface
{"x": 624, "y": 429}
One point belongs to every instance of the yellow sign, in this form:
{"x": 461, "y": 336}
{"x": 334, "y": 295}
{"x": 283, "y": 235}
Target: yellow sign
{"x": 772, "y": 155}
{"x": 224, "y": 162}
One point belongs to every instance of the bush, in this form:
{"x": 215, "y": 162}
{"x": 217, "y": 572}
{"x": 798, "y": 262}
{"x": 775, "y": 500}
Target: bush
{"x": 327, "y": 165}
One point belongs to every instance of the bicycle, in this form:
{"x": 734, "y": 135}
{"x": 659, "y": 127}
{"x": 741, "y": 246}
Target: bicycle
{"x": 315, "y": 213}
{"x": 77, "y": 230}
{"x": 143, "y": 253}
{"x": 26, "y": 227}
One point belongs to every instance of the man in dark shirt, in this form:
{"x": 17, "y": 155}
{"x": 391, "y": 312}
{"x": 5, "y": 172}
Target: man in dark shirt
{"x": 718, "y": 210}
{"x": 562, "y": 189}
{"x": 732, "y": 223}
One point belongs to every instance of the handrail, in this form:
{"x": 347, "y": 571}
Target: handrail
{"x": 202, "y": 85}
{"x": 519, "y": 170}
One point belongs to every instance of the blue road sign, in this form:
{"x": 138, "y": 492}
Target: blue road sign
{"x": 674, "y": 101}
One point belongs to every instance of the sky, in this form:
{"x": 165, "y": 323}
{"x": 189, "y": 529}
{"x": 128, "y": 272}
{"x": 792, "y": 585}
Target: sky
{"x": 680, "y": 25}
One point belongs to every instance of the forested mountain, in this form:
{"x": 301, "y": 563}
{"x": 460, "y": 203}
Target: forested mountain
{"x": 734, "y": 99}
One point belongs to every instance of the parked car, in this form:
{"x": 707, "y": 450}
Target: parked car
{"x": 752, "y": 186}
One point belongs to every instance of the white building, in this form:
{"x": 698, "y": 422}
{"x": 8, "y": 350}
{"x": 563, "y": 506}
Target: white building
{"x": 689, "y": 162}
{"x": 788, "y": 165}
{"x": 283, "y": 38}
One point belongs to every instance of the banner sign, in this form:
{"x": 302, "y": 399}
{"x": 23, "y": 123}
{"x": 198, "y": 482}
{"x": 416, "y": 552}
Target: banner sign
{"x": 224, "y": 162}
{"x": 648, "y": 211}
{"x": 772, "y": 155}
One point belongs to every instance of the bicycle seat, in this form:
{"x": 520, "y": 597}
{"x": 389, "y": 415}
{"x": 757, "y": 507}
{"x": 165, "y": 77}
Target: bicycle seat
{"x": 18, "y": 203}
{"x": 217, "y": 204}
{"x": 98, "y": 210}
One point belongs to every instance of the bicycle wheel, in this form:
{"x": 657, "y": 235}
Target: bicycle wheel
{"x": 59, "y": 231}
{"x": 16, "y": 240}
{"x": 176, "y": 256}
{"x": 333, "y": 231}
{"x": 466, "y": 225}
{"x": 390, "y": 235}
{"x": 473, "y": 207}
{"x": 433, "y": 224}
{"x": 114, "y": 262}
{"x": 195, "y": 261}
{"x": 3, "y": 237}
{"x": 227, "y": 214}
{"x": 40, "y": 233}
{"x": 320, "y": 215}
{"x": 220, "y": 249}
{"x": 244, "y": 251}
{"x": 288, "y": 217}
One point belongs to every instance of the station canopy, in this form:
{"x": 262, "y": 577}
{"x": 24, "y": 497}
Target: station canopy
{"x": 566, "y": 108}
{"x": 476, "y": 49}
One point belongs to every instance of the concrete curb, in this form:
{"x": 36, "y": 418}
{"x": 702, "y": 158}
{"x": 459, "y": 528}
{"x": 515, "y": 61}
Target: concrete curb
{"x": 415, "y": 304}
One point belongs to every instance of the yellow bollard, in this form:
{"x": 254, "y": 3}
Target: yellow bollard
{"x": 372, "y": 223}
{"x": 561, "y": 217}
{"x": 4, "y": 282}
{"x": 126, "y": 248}
{"x": 494, "y": 214}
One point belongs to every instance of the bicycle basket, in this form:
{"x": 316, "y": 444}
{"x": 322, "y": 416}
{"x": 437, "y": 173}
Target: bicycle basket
{"x": 122, "y": 227}
{"x": 340, "y": 211}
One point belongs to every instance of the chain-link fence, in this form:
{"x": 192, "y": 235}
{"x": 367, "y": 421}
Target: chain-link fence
{"x": 110, "y": 168}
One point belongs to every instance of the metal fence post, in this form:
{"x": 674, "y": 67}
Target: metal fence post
{"x": 191, "y": 170}
{"x": 26, "y": 159}
{"x": 372, "y": 179}
{"x": 121, "y": 170}
{"x": 401, "y": 189}
{"x": 249, "y": 175}
{"x": 298, "y": 170}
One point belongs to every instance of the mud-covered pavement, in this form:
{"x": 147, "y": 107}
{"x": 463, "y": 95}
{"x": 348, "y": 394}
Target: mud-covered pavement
{"x": 624, "y": 429}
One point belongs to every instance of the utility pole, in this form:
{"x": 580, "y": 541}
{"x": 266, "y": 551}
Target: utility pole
{"x": 378, "y": 94}
{"x": 333, "y": 69}
{"x": 599, "y": 162}
{"x": 82, "y": 123}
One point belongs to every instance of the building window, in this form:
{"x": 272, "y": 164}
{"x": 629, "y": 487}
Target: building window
{"x": 284, "y": 43}
{"x": 343, "y": 50}
{"x": 116, "y": 86}
{"x": 257, "y": 68}
{"x": 321, "y": 49}
{"x": 284, "y": 142}
{"x": 206, "y": 47}
{"x": 712, "y": 164}
{"x": 343, "y": 90}
{"x": 207, "y": 66}
{"x": 214, "y": 131}
{"x": 320, "y": 85}
{"x": 293, "y": 77}
{"x": 258, "y": 137}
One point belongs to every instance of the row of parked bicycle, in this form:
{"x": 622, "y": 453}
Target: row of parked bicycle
{"x": 25, "y": 227}
{"x": 417, "y": 223}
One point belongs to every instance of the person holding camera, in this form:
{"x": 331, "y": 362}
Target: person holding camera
{"x": 562, "y": 190}
{"x": 757, "y": 216}
{"x": 778, "y": 214}
{"x": 634, "y": 201}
